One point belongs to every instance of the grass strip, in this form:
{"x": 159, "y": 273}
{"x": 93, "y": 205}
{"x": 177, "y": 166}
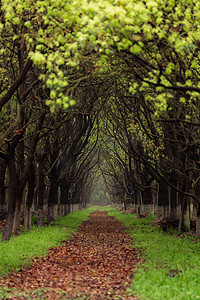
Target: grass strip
{"x": 162, "y": 252}
{"x": 19, "y": 250}
{"x": 171, "y": 268}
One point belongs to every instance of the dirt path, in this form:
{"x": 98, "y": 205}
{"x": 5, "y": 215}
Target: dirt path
{"x": 96, "y": 263}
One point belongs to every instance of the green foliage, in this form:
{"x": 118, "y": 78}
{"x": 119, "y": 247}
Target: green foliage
{"x": 58, "y": 35}
{"x": 163, "y": 253}
{"x": 34, "y": 220}
{"x": 99, "y": 196}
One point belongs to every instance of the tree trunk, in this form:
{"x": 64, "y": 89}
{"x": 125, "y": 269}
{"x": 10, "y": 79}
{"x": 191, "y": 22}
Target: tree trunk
{"x": 198, "y": 222}
{"x": 163, "y": 199}
{"x": 147, "y": 200}
{"x": 52, "y": 212}
{"x": 27, "y": 217}
{"x": 25, "y": 174}
{"x": 140, "y": 203}
{"x": 2, "y": 187}
{"x": 184, "y": 221}
{"x": 12, "y": 194}
{"x": 125, "y": 198}
{"x": 41, "y": 190}
{"x": 53, "y": 202}
{"x": 68, "y": 206}
{"x": 17, "y": 215}
{"x": 173, "y": 203}
{"x": 186, "y": 215}
{"x": 29, "y": 200}
{"x": 64, "y": 198}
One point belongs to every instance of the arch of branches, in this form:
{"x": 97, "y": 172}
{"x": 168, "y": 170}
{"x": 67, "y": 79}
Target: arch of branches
{"x": 99, "y": 95}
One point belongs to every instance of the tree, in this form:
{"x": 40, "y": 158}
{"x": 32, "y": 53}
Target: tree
{"x": 139, "y": 60}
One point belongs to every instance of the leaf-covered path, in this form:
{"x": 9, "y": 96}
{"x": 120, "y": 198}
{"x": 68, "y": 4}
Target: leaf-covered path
{"x": 96, "y": 263}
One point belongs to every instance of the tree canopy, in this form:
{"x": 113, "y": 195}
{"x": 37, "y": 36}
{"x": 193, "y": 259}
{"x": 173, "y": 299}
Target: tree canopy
{"x": 90, "y": 87}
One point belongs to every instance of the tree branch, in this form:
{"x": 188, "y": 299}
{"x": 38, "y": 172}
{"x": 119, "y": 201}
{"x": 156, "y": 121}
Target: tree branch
{"x": 16, "y": 84}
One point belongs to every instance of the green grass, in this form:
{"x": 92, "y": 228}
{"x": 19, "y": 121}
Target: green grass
{"x": 19, "y": 250}
{"x": 161, "y": 253}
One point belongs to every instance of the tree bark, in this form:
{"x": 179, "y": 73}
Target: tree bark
{"x": 17, "y": 215}
{"x": 2, "y": 185}
{"x": 173, "y": 203}
{"x": 64, "y": 198}
{"x": 198, "y": 222}
{"x": 29, "y": 200}
{"x": 163, "y": 199}
{"x": 186, "y": 215}
{"x": 12, "y": 195}
{"x": 147, "y": 200}
{"x": 184, "y": 221}
{"x": 19, "y": 80}
{"x": 41, "y": 190}
{"x": 53, "y": 201}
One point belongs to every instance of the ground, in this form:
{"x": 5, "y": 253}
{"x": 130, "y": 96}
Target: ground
{"x": 97, "y": 262}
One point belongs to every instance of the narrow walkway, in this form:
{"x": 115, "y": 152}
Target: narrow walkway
{"x": 96, "y": 263}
